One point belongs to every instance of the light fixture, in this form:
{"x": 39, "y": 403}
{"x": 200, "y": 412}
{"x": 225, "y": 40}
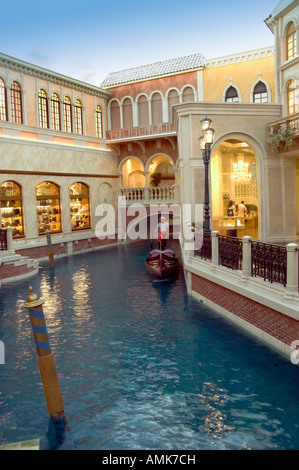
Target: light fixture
{"x": 205, "y": 122}
{"x": 241, "y": 171}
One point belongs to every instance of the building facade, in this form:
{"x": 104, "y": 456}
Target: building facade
{"x": 67, "y": 146}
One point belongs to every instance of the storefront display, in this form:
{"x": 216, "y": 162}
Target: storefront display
{"x": 11, "y": 208}
{"x": 79, "y": 202}
{"x": 48, "y": 208}
{"x": 232, "y": 226}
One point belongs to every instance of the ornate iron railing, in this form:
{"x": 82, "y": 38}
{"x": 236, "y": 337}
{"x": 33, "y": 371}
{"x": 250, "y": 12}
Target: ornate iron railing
{"x": 205, "y": 252}
{"x": 269, "y": 262}
{"x": 3, "y": 239}
{"x": 230, "y": 252}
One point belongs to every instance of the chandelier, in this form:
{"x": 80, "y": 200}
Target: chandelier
{"x": 241, "y": 173}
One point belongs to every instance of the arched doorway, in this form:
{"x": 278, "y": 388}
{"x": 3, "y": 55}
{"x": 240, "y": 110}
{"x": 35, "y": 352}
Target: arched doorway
{"x": 234, "y": 179}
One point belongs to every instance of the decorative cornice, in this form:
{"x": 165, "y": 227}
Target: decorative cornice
{"x": 240, "y": 57}
{"x": 45, "y": 74}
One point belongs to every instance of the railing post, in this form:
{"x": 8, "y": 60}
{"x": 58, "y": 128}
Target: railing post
{"x": 246, "y": 272}
{"x": 215, "y": 249}
{"x": 9, "y": 239}
{"x": 292, "y": 268}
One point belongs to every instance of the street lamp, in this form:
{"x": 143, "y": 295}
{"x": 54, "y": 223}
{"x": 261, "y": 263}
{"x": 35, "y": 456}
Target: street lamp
{"x": 206, "y": 141}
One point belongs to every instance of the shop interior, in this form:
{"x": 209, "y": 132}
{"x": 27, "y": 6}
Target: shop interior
{"x": 234, "y": 180}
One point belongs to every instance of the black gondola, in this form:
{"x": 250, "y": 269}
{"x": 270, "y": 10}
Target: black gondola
{"x": 162, "y": 263}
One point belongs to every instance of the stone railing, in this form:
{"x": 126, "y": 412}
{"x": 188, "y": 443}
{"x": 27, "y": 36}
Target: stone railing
{"x": 139, "y": 131}
{"x": 273, "y": 263}
{"x": 151, "y": 194}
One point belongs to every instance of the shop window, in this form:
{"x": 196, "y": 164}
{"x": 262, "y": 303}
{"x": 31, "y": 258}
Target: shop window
{"x": 260, "y": 94}
{"x": 3, "y": 106}
{"x": 43, "y": 109}
{"x": 231, "y": 96}
{"x": 78, "y": 117}
{"x": 11, "y": 208}
{"x": 55, "y": 112}
{"x": 79, "y": 202}
{"x": 48, "y": 208}
{"x": 291, "y": 41}
{"x": 99, "y": 130}
{"x": 67, "y": 115}
{"x": 16, "y": 103}
{"x": 291, "y": 93}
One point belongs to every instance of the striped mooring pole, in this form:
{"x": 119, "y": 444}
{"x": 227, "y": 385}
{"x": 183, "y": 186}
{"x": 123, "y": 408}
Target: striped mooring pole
{"x": 45, "y": 359}
{"x": 50, "y": 249}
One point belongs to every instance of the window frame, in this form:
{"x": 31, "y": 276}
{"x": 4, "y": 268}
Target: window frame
{"x": 67, "y": 114}
{"x": 3, "y": 101}
{"x": 43, "y": 110}
{"x": 55, "y": 112}
{"x": 99, "y": 122}
{"x": 16, "y": 103}
{"x": 78, "y": 117}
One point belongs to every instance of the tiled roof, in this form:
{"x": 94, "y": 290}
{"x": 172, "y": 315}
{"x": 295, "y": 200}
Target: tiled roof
{"x": 165, "y": 67}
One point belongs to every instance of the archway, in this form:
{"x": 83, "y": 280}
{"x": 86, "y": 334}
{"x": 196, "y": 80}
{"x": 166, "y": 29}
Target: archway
{"x": 161, "y": 171}
{"x": 234, "y": 178}
{"x": 132, "y": 172}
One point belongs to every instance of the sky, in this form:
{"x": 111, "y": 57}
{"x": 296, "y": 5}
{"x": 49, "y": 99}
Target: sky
{"x": 89, "y": 39}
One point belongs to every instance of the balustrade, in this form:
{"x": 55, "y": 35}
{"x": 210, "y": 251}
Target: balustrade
{"x": 150, "y": 194}
{"x": 273, "y": 263}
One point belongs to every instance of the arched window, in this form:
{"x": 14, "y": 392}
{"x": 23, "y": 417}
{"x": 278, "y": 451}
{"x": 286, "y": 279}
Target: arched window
{"x": 115, "y": 115}
{"x": 79, "y": 206}
{"x": 173, "y": 98}
{"x": 291, "y": 97}
{"x": 188, "y": 94}
{"x": 260, "y": 94}
{"x": 3, "y": 103}
{"x": 16, "y": 103}
{"x": 55, "y": 112}
{"x": 43, "y": 109}
{"x": 143, "y": 116}
{"x": 11, "y": 208}
{"x": 156, "y": 105}
{"x": 48, "y": 208}
{"x": 231, "y": 95}
{"x": 67, "y": 115}
{"x": 78, "y": 117}
{"x": 99, "y": 129}
{"x": 127, "y": 113}
{"x": 291, "y": 41}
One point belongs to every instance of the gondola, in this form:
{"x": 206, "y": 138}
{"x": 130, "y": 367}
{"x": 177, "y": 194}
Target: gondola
{"x": 162, "y": 263}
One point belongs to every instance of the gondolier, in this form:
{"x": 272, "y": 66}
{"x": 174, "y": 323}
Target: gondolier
{"x": 163, "y": 231}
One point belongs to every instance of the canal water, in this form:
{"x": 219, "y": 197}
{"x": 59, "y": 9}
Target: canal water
{"x": 141, "y": 364}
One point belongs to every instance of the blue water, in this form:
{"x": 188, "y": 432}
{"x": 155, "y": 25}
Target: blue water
{"x": 141, "y": 364}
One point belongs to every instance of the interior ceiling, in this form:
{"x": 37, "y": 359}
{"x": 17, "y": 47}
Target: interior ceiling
{"x": 236, "y": 147}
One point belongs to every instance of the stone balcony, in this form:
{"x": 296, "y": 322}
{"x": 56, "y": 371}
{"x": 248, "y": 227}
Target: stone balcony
{"x": 151, "y": 195}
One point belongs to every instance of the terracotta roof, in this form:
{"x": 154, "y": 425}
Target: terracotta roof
{"x": 165, "y": 67}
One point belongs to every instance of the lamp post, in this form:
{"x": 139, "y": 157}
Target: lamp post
{"x": 206, "y": 141}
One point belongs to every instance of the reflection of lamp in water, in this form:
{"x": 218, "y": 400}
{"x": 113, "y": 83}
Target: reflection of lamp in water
{"x": 241, "y": 172}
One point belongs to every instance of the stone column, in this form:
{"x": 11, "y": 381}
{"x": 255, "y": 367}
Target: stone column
{"x": 246, "y": 273}
{"x": 292, "y": 268}
{"x": 215, "y": 250}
